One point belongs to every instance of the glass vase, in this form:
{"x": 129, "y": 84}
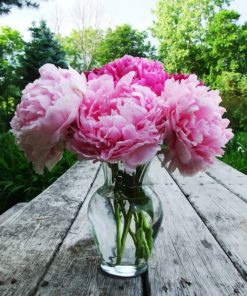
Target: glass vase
{"x": 125, "y": 216}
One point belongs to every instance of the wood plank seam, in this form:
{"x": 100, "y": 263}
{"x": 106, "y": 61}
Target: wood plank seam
{"x": 12, "y": 212}
{"x": 224, "y": 185}
{"x": 35, "y": 290}
{"x": 240, "y": 270}
{"x": 146, "y": 288}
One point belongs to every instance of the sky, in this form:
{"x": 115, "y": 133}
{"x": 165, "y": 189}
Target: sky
{"x": 113, "y": 12}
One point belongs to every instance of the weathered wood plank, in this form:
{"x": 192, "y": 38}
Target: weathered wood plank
{"x": 29, "y": 242}
{"x": 12, "y": 212}
{"x": 187, "y": 259}
{"x": 75, "y": 269}
{"x": 222, "y": 211}
{"x": 232, "y": 179}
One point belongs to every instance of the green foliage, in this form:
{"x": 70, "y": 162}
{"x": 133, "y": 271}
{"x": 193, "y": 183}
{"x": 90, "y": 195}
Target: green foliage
{"x": 80, "y": 47}
{"x": 72, "y": 50}
{"x": 18, "y": 181}
{"x": 6, "y": 5}
{"x": 236, "y": 152}
{"x": 43, "y": 48}
{"x": 233, "y": 89}
{"x": 226, "y": 43}
{"x": 180, "y": 28}
{"x": 11, "y": 48}
{"x": 89, "y": 48}
{"x": 124, "y": 40}
{"x": 202, "y": 38}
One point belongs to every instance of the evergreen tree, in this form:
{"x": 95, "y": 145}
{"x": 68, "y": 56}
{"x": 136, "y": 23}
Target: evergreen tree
{"x": 43, "y": 48}
{"x": 6, "y": 5}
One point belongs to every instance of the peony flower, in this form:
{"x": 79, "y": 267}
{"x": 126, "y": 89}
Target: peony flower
{"x": 48, "y": 107}
{"x": 195, "y": 129}
{"x": 147, "y": 72}
{"x": 122, "y": 122}
{"x": 180, "y": 76}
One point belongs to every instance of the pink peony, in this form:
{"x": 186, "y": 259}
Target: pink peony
{"x": 180, "y": 76}
{"x": 124, "y": 122}
{"x": 195, "y": 129}
{"x": 48, "y": 107}
{"x": 147, "y": 72}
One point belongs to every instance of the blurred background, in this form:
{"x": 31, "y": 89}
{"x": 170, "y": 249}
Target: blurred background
{"x": 208, "y": 38}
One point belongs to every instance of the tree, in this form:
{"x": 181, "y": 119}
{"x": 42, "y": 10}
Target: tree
{"x": 58, "y": 18}
{"x": 89, "y": 18}
{"x": 180, "y": 28}
{"x": 124, "y": 40}
{"x": 6, "y": 5}
{"x": 226, "y": 45}
{"x": 80, "y": 48}
{"x": 226, "y": 60}
{"x": 43, "y": 48}
{"x": 11, "y": 48}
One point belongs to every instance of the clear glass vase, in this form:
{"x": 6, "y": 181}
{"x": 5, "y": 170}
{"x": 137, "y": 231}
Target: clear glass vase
{"x": 125, "y": 215}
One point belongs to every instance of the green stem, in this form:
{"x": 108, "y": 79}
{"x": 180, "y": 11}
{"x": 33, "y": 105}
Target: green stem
{"x": 144, "y": 237}
{"x": 147, "y": 229}
{"x": 124, "y": 235}
{"x": 136, "y": 218}
{"x": 125, "y": 218}
{"x": 118, "y": 224}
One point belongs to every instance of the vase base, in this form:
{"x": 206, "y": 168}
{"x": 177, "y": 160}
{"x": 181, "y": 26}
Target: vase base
{"x": 124, "y": 270}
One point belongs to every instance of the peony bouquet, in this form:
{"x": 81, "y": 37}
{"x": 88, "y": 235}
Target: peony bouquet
{"x": 129, "y": 110}
{"x": 122, "y": 114}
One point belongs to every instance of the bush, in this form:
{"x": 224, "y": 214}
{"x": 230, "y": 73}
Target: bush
{"x": 233, "y": 90}
{"x": 236, "y": 152}
{"x": 18, "y": 181}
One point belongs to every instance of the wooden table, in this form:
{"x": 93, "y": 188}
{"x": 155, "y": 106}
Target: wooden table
{"x": 46, "y": 248}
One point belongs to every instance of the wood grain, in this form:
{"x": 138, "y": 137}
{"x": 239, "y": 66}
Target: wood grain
{"x": 12, "y": 212}
{"x": 187, "y": 260}
{"x": 232, "y": 179}
{"x": 222, "y": 211}
{"x": 29, "y": 242}
{"x": 75, "y": 269}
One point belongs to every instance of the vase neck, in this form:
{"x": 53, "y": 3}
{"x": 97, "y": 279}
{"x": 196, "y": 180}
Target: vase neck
{"x": 116, "y": 176}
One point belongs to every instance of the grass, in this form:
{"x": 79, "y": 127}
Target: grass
{"x": 236, "y": 152}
